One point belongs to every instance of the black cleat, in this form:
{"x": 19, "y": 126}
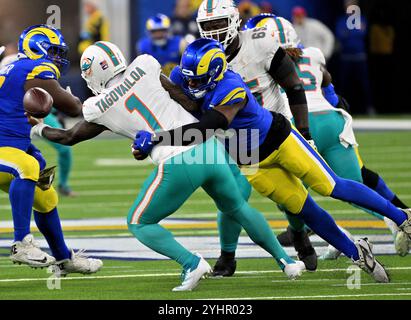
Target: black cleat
{"x": 304, "y": 248}
{"x": 285, "y": 238}
{"x": 225, "y": 266}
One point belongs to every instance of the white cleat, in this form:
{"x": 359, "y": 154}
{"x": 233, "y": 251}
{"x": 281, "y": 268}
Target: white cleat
{"x": 293, "y": 270}
{"x": 191, "y": 278}
{"x": 28, "y": 252}
{"x": 79, "y": 263}
{"x": 403, "y": 237}
{"x": 392, "y": 226}
{"x": 368, "y": 263}
{"x": 332, "y": 253}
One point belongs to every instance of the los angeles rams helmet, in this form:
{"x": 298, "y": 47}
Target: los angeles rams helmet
{"x": 204, "y": 61}
{"x": 45, "y": 42}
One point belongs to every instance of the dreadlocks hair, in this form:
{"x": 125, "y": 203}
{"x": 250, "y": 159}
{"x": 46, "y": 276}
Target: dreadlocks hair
{"x": 294, "y": 53}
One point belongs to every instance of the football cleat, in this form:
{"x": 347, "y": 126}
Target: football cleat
{"x": 402, "y": 243}
{"x": 78, "y": 263}
{"x": 224, "y": 267}
{"x": 368, "y": 263}
{"x": 191, "y": 278}
{"x": 293, "y": 270}
{"x": 28, "y": 252}
{"x": 304, "y": 248}
{"x": 284, "y": 238}
{"x": 406, "y": 225}
{"x": 403, "y": 237}
{"x": 333, "y": 253}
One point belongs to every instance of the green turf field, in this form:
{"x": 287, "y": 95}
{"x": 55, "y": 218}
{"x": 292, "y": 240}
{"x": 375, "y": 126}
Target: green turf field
{"x": 107, "y": 180}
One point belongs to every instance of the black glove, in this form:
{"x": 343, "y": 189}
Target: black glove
{"x": 46, "y": 178}
{"x": 343, "y": 104}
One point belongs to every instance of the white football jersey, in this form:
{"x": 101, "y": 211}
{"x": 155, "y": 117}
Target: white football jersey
{"x": 310, "y": 72}
{"x": 252, "y": 62}
{"x": 137, "y": 101}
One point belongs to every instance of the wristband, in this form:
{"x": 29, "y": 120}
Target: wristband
{"x": 38, "y": 129}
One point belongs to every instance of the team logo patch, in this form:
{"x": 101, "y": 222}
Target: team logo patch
{"x": 104, "y": 65}
{"x": 86, "y": 65}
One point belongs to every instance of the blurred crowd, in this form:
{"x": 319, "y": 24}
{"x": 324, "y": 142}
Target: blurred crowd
{"x": 357, "y": 58}
{"x": 354, "y": 55}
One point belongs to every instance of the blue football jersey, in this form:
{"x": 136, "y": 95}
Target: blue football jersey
{"x": 168, "y": 56}
{"x": 14, "y": 128}
{"x": 255, "y": 119}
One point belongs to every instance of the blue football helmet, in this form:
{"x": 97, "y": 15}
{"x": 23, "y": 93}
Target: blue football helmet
{"x": 45, "y": 42}
{"x": 204, "y": 62}
{"x": 254, "y": 22}
{"x": 158, "y": 22}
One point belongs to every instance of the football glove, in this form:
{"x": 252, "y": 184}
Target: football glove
{"x": 144, "y": 142}
{"x": 343, "y": 104}
{"x": 46, "y": 178}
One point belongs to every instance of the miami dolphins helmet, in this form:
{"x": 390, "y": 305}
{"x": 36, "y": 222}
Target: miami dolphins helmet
{"x": 213, "y": 10}
{"x": 100, "y": 63}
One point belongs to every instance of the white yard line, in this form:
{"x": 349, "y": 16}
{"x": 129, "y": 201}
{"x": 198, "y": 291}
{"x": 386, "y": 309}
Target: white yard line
{"x": 125, "y": 276}
{"x": 394, "y": 294}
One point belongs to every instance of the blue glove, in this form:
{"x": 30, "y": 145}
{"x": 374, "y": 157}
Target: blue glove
{"x": 143, "y": 142}
{"x": 36, "y": 153}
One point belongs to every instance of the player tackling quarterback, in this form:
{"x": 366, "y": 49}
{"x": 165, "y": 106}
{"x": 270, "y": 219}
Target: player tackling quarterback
{"x": 137, "y": 97}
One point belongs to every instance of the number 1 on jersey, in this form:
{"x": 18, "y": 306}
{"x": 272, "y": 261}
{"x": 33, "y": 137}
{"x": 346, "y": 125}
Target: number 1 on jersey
{"x": 133, "y": 103}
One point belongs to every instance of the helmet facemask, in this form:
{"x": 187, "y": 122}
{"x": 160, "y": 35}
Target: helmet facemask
{"x": 58, "y": 55}
{"x": 225, "y": 35}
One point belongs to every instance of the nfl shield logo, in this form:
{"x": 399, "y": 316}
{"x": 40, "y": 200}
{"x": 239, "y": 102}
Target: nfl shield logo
{"x": 104, "y": 65}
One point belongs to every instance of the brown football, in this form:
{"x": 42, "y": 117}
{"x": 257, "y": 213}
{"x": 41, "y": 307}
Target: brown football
{"x": 37, "y": 102}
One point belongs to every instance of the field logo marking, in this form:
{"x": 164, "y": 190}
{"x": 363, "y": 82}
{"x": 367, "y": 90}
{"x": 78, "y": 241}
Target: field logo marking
{"x": 354, "y": 280}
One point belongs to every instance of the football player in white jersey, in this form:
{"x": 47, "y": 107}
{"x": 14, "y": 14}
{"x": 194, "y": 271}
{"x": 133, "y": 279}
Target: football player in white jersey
{"x": 137, "y": 97}
{"x": 264, "y": 67}
{"x": 330, "y": 124}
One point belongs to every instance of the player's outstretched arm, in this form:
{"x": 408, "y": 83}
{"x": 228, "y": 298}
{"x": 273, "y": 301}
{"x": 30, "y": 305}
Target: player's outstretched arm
{"x": 283, "y": 71}
{"x": 177, "y": 94}
{"x": 82, "y": 131}
{"x": 63, "y": 100}
{"x": 219, "y": 117}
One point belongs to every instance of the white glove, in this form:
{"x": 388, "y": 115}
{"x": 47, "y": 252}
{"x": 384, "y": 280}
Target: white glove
{"x": 38, "y": 130}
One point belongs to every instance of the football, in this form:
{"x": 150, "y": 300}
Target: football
{"x": 37, "y": 102}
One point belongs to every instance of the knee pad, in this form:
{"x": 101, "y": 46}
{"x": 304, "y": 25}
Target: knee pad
{"x": 370, "y": 178}
{"x": 325, "y": 189}
{"x": 262, "y": 185}
{"x": 45, "y": 201}
{"x": 293, "y": 203}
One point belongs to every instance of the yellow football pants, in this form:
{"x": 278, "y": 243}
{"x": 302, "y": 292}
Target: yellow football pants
{"x": 279, "y": 176}
{"x": 15, "y": 163}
